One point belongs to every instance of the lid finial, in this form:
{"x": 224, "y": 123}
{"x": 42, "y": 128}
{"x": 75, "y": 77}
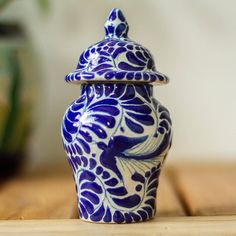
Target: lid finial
{"x": 116, "y": 25}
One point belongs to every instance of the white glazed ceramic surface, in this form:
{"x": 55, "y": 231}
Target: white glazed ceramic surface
{"x": 116, "y": 135}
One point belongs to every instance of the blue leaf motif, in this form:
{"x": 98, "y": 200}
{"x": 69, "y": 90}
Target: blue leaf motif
{"x": 98, "y": 141}
{"x": 133, "y": 59}
{"x": 144, "y": 119}
{"x": 134, "y": 126}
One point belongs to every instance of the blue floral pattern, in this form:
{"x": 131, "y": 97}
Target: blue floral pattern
{"x": 116, "y": 57}
{"x": 116, "y": 137}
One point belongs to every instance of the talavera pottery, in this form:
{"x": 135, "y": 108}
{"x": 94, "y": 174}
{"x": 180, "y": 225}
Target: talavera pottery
{"x": 116, "y": 135}
{"x": 17, "y": 96}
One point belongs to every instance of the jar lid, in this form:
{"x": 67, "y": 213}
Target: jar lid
{"x": 116, "y": 58}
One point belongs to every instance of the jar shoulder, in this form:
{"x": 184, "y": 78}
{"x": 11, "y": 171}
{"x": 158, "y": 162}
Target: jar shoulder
{"x": 109, "y": 112}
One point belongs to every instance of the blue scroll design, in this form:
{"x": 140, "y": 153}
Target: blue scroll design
{"x": 112, "y": 134}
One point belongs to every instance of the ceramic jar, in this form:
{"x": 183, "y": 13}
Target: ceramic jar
{"x": 116, "y": 135}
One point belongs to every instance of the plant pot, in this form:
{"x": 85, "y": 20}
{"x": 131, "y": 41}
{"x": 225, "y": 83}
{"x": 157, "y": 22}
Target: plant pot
{"x": 116, "y": 135}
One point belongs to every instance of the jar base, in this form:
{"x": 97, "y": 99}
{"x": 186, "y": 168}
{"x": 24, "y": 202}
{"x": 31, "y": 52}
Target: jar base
{"x": 113, "y": 222}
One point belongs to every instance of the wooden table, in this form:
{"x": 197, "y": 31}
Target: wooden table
{"x": 192, "y": 200}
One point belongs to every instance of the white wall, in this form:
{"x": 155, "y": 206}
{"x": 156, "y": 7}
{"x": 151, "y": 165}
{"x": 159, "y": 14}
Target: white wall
{"x": 194, "y": 42}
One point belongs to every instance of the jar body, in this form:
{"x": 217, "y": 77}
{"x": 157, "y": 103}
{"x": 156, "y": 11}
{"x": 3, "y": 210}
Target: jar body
{"x": 116, "y": 137}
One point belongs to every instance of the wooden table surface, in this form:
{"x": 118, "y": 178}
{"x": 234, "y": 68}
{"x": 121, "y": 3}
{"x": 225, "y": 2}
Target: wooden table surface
{"x": 192, "y": 200}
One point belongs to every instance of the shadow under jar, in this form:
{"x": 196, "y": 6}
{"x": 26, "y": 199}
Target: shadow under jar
{"x": 116, "y": 135}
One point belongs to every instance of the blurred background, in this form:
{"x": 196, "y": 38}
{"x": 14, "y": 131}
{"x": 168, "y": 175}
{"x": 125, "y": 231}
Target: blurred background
{"x": 193, "y": 42}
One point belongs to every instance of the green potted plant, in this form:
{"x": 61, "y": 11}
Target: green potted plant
{"x": 18, "y": 89}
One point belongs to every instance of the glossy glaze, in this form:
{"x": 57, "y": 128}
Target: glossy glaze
{"x": 116, "y": 135}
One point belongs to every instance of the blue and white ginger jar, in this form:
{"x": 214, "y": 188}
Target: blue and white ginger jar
{"x": 116, "y": 135}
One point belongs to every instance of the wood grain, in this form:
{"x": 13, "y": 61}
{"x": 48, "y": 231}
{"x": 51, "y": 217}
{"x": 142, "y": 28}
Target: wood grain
{"x": 206, "y": 190}
{"x": 43, "y": 196}
{"x": 52, "y": 196}
{"x": 45, "y": 203}
{"x": 168, "y": 203}
{"x": 210, "y": 226}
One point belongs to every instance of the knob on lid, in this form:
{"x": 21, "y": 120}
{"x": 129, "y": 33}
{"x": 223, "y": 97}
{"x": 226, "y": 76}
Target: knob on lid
{"x": 116, "y": 58}
{"x": 116, "y": 25}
